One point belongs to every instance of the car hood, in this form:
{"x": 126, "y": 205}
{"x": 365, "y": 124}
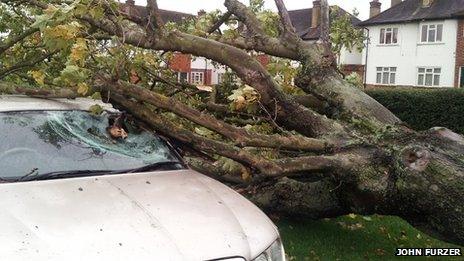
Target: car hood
{"x": 174, "y": 215}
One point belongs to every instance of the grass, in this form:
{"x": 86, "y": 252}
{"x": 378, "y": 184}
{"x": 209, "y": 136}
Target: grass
{"x": 353, "y": 238}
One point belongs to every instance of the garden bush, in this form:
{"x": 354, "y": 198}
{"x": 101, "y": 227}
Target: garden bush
{"x": 425, "y": 108}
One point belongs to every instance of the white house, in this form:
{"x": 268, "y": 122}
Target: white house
{"x": 416, "y": 43}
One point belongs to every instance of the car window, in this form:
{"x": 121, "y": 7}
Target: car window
{"x": 50, "y": 141}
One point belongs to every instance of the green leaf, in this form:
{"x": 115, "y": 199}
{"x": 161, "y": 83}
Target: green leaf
{"x": 96, "y": 96}
{"x": 367, "y": 218}
{"x": 96, "y": 109}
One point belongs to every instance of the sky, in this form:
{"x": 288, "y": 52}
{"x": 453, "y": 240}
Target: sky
{"x": 193, "y": 6}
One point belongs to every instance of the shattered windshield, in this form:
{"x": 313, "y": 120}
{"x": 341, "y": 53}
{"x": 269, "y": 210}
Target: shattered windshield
{"x": 53, "y": 141}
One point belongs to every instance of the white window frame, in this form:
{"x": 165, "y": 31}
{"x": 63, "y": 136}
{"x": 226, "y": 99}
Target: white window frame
{"x": 424, "y": 72}
{"x": 179, "y": 77}
{"x": 393, "y": 33}
{"x": 386, "y": 75}
{"x": 200, "y": 80}
{"x": 432, "y": 33}
{"x": 461, "y": 70}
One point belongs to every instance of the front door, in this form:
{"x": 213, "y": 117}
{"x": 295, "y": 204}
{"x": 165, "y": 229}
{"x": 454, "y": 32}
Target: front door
{"x": 461, "y": 81}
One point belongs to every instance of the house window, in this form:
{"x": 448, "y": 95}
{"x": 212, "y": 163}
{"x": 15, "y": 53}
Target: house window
{"x": 389, "y": 36}
{"x": 197, "y": 78}
{"x": 386, "y": 75}
{"x": 432, "y": 33}
{"x": 428, "y": 76}
{"x": 220, "y": 78}
{"x": 182, "y": 77}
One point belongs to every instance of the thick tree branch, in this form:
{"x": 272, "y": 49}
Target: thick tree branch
{"x": 155, "y": 23}
{"x": 285, "y": 17}
{"x": 322, "y": 80}
{"x": 247, "y": 68}
{"x": 12, "y": 89}
{"x": 299, "y": 199}
{"x": 266, "y": 167}
{"x": 325, "y": 22}
{"x": 241, "y": 137}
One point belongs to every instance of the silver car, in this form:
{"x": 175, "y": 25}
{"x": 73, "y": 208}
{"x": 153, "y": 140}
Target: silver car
{"x": 71, "y": 191}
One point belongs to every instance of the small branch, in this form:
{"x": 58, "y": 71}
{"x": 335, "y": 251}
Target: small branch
{"x": 24, "y": 64}
{"x": 10, "y": 42}
{"x": 172, "y": 84}
{"x": 220, "y": 22}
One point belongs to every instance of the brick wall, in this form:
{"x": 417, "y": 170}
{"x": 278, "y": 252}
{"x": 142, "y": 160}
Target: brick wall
{"x": 348, "y": 69}
{"x": 181, "y": 62}
{"x": 459, "y": 51}
{"x": 263, "y": 59}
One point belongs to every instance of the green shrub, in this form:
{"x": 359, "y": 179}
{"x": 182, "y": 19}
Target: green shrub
{"x": 425, "y": 108}
{"x": 355, "y": 80}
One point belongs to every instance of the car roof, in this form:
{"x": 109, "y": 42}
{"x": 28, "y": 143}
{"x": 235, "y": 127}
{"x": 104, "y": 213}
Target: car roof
{"x": 10, "y": 103}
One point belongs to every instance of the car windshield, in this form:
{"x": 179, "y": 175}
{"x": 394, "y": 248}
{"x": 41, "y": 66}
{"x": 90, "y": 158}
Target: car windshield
{"x": 39, "y": 142}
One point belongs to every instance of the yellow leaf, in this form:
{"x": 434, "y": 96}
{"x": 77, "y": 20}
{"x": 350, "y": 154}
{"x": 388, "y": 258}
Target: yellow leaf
{"x": 79, "y": 51}
{"x": 246, "y": 175}
{"x": 82, "y": 88}
{"x": 240, "y": 103}
{"x": 38, "y": 76}
{"x": 353, "y": 216}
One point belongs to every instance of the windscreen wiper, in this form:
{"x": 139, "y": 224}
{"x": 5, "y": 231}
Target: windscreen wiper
{"x": 164, "y": 165}
{"x": 63, "y": 174}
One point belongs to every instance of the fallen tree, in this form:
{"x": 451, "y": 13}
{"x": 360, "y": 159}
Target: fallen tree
{"x": 351, "y": 156}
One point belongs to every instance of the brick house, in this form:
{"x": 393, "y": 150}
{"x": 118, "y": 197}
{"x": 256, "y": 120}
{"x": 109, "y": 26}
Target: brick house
{"x": 198, "y": 71}
{"x": 416, "y": 43}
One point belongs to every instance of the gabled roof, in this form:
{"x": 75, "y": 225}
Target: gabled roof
{"x": 412, "y": 11}
{"x": 301, "y": 20}
{"x": 166, "y": 15}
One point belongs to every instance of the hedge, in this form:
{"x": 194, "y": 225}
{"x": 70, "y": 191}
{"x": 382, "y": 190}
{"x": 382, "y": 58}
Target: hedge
{"x": 423, "y": 109}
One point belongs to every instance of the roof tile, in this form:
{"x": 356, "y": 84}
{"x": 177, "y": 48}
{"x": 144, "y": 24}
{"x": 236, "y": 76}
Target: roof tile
{"x": 412, "y": 10}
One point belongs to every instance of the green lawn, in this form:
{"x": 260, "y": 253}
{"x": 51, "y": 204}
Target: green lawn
{"x": 352, "y": 238}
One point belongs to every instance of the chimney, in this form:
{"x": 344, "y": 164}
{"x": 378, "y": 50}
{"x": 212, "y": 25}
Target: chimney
{"x": 316, "y": 15}
{"x": 375, "y": 8}
{"x": 395, "y": 2}
{"x": 130, "y": 2}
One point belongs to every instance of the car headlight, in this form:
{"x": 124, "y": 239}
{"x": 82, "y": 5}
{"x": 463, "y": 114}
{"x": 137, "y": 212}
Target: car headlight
{"x": 274, "y": 253}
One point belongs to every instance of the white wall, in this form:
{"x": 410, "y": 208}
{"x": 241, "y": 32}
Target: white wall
{"x": 350, "y": 57}
{"x": 409, "y": 53}
{"x": 203, "y": 63}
